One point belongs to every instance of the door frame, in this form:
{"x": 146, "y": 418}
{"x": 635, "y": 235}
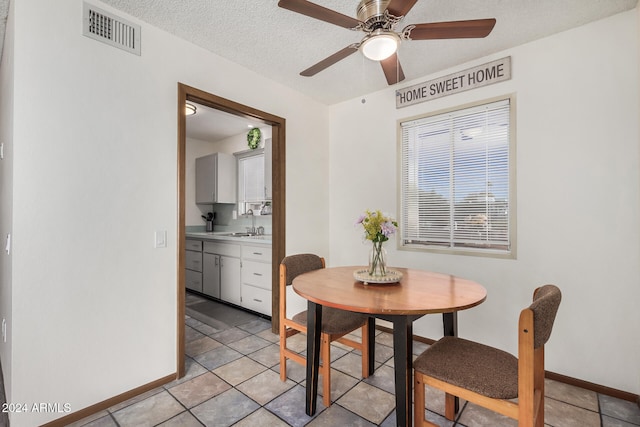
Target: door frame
{"x": 278, "y": 141}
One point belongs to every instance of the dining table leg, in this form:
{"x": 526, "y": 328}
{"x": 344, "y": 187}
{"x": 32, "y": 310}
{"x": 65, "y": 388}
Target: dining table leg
{"x": 314, "y": 332}
{"x": 403, "y": 363}
{"x": 450, "y": 324}
{"x": 371, "y": 323}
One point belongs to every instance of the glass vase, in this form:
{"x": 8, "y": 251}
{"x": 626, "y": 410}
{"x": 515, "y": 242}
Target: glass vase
{"x": 378, "y": 260}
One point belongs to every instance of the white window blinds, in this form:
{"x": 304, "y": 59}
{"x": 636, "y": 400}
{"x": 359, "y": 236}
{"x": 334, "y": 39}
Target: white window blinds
{"x": 455, "y": 179}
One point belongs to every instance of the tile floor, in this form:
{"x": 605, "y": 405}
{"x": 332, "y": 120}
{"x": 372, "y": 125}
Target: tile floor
{"x": 233, "y": 380}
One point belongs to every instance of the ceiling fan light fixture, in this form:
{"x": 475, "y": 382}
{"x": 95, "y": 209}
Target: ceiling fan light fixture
{"x": 380, "y": 45}
{"x": 189, "y": 109}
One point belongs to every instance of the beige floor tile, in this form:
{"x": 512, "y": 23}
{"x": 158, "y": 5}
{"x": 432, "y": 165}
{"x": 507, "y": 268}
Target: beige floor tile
{"x": 297, "y": 343}
{"x": 295, "y": 371}
{"x": 368, "y": 402}
{"x": 199, "y": 389}
{"x": 135, "y": 399}
{"x": 620, "y": 409}
{"x": 268, "y": 335}
{"x": 561, "y": 414}
{"x": 570, "y": 394}
{"x": 349, "y": 364}
{"x": 200, "y": 345}
{"x": 239, "y": 370}
{"x": 265, "y": 387}
{"x": 225, "y": 409}
{"x": 268, "y": 356}
{"x": 340, "y": 384}
{"x": 476, "y": 416}
{"x": 261, "y": 418}
{"x": 149, "y": 412}
{"x": 185, "y": 419}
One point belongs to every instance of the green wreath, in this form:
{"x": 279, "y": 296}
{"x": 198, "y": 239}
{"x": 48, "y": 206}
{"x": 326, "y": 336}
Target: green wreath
{"x": 253, "y": 138}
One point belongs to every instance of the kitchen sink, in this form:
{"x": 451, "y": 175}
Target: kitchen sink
{"x": 238, "y": 234}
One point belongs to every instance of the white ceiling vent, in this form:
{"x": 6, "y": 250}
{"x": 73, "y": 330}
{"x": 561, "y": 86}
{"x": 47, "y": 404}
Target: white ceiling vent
{"x": 110, "y": 29}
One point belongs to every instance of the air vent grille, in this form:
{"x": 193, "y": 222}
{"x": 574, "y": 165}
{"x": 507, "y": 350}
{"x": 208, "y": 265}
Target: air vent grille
{"x": 110, "y": 29}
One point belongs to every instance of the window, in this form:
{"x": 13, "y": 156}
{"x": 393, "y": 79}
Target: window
{"x": 456, "y": 180}
{"x": 251, "y": 190}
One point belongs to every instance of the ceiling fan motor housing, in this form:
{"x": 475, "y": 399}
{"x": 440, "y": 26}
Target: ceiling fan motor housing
{"x": 374, "y": 15}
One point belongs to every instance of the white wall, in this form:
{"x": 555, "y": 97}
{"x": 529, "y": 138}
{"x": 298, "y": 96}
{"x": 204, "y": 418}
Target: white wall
{"x": 6, "y": 191}
{"x": 577, "y": 106}
{"x": 95, "y": 172}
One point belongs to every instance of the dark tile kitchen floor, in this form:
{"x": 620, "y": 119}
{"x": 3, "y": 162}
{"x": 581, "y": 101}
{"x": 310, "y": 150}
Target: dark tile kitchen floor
{"x": 233, "y": 380}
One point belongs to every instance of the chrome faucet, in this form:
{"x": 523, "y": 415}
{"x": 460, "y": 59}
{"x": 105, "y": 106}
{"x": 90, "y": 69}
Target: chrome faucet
{"x": 253, "y": 222}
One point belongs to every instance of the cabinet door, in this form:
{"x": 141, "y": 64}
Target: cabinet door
{"x": 211, "y": 275}
{"x": 226, "y": 178}
{"x": 230, "y": 279}
{"x": 206, "y": 177}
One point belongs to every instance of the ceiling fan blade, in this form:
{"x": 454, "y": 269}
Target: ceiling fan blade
{"x": 476, "y": 28}
{"x": 329, "y": 61}
{"x": 319, "y": 12}
{"x": 400, "y": 7}
{"x": 392, "y": 69}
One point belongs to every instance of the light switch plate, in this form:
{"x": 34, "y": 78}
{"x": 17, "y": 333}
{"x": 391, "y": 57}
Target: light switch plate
{"x": 161, "y": 239}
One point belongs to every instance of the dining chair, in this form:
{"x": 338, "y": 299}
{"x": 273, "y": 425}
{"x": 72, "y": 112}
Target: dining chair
{"x": 490, "y": 377}
{"x": 335, "y": 324}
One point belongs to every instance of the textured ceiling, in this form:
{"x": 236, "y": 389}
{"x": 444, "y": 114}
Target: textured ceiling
{"x": 278, "y": 43}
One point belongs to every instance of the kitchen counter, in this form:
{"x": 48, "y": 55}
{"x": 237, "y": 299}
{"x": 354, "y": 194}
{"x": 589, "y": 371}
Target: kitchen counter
{"x": 265, "y": 239}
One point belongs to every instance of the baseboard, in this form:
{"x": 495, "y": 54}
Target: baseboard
{"x": 592, "y": 386}
{"x": 556, "y": 377}
{"x": 105, "y": 404}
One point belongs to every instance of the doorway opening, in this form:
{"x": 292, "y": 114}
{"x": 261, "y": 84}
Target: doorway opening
{"x": 188, "y": 93}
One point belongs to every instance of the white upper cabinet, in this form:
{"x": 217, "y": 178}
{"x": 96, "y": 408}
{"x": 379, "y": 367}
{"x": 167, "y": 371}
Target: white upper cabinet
{"x": 216, "y": 179}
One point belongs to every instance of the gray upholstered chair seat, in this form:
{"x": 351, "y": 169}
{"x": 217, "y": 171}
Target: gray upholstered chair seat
{"x": 335, "y": 322}
{"x": 477, "y": 367}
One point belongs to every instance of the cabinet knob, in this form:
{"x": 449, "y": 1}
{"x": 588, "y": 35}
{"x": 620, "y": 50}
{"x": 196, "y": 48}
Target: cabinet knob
{"x": 257, "y": 300}
{"x": 257, "y": 274}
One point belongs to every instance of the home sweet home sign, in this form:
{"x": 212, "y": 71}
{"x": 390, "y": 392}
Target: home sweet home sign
{"x": 482, "y": 75}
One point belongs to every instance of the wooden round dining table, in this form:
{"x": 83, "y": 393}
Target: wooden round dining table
{"x": 418, "y": 292}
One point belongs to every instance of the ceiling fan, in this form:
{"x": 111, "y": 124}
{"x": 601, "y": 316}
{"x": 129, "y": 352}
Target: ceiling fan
{"x": 378, "y": 19}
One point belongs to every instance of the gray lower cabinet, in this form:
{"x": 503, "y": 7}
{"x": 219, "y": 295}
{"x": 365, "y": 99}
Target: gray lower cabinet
{"x": 193, "y": 265}
{"x": 222, "y": 270}
{"x": 230, "y": 279}
{"x": 211, "y": 275}
{"x": 239, "y": 273}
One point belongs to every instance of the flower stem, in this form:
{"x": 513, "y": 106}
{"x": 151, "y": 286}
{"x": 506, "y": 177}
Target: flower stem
{"x": 377, "y": 267}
